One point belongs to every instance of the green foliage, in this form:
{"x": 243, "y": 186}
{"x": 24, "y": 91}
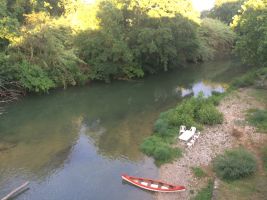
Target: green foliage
{"x": 214, "y": 37}
{"x": 205, "y": 193}
{"x": 190, "y": 112}
{"x": 198, "y": 172}
{"x": 258, "y": 118}
{"x": 235, "y": 164}
{"x": 160, "y": 150}
{"x": 251, "y": 25}
{"x": 135, "y": 38}
{"x": 264, "y": 157}
{"x": 48, "y": 46}
{"x": 208, "y": 114}
{"x": 251, "y": 78}
{"x": 225, "y": 10}
{"x": 118, "y": 39}
{"x": 33, "y": 78}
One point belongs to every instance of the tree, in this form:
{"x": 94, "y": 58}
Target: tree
{"x": 225, "y": 10}
{"x": 137, "y": 37}
{"x": 215, "y": 37}
{"x": 251, "y": 25}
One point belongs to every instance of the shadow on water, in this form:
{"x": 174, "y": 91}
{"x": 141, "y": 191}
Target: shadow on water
{"x": 71, "y": 143}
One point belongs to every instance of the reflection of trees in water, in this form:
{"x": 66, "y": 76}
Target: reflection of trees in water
{"x": 38, "y": 152}
{"x": 122, "y": 136}
{"x": 205, "y": 86}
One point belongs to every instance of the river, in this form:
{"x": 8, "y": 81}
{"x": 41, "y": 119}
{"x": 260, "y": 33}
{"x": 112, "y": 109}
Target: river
{"x": 74, "y": 144}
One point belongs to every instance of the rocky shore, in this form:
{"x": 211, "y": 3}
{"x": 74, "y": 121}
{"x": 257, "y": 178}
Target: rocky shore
{"x": 214, "y": 140}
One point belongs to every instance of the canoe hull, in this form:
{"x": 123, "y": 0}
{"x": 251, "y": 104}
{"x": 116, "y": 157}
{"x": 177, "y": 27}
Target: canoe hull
{"x": 152, "y": 185}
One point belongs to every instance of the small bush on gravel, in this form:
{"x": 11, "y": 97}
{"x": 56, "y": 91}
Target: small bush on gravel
{"x": 264, "y": 157}
{"x": 258, "y": 118}
{"x": 235, "y": 164}
{"x": 198, "y": 172}
{"x": 208, "y": 114}
{"x": 205, "y": 193}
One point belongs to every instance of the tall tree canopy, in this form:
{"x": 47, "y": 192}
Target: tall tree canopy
{"x": 225, "y": 10}
{"x": 251, "y": 25}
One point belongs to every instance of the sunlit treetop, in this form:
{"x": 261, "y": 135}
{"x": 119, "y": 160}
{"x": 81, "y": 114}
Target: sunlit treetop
{"x": 161, "y": 8}
{"x": 221, "y": 2}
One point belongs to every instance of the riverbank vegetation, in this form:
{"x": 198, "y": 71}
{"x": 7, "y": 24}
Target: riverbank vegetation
{"x": 44, "y": 45}
{"x": 258, "y": 118}
{"x": 195, "y": 111}
{"x": 205, "y": 193}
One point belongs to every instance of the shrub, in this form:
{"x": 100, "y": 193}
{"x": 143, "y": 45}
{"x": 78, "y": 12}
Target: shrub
{"x": 235, "y": 164}
{"x": 164, "y": 153}
{"x": 258, "y": 118}
{"x": 208, "y": 114}
{"x": 264, "y": 157}
{"x": 161, "y": 126}
{"x": 33, "y": 78}
{"x": 251, "y": 78}
{"x": 216, "y": 98}
{"x": 205, "y": 193}
{"x": 160, "y": 150}
{"x": 198, "y": 172}
{"x": 246, "y": 80}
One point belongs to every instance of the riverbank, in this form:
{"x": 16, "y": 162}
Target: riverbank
{"x": 214, "y": 140}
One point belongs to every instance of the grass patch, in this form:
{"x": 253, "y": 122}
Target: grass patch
{"x": 196, "y": 111}
{"x": 198, "y": 172}
{"x": 253, "y": 187}
{"x": 235, "y": 164}
{"x": 251, "y": 78}
{"x": 258, "y": 118}
{"x": 264, "y": 157}
{"x": 205, "y": 193}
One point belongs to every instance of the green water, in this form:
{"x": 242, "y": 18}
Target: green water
{"x": 74, "y": 144}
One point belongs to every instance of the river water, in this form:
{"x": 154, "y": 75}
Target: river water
{"x": 74, "y": 144}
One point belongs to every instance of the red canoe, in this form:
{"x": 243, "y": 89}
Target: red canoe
{"x": 152, "y": 185}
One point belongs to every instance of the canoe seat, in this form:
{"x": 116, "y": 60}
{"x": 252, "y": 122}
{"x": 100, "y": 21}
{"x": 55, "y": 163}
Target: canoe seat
{"x": 164, "y": 187}
{"x": 154, "y": 186}
{"x": 144, "y": 183}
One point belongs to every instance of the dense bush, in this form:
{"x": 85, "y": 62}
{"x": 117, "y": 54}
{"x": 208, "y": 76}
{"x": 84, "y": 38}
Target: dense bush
{"x": 208, "y": 114}
{"x": 162, "y": 152}
{"x": 34, "y": 78}
{"x": 258, "y": 118}
{"x": 235, "y": 164}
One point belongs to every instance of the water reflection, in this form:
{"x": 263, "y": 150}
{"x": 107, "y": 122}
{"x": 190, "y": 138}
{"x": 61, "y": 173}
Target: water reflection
{"x": 205, "y": 87}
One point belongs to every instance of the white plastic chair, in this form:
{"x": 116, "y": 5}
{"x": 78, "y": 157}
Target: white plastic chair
{"x": 193, "y": 129}
{"x": 182, "y": 129}
{"x": 191, "y": 143}
{"x": 197, "y": 135}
